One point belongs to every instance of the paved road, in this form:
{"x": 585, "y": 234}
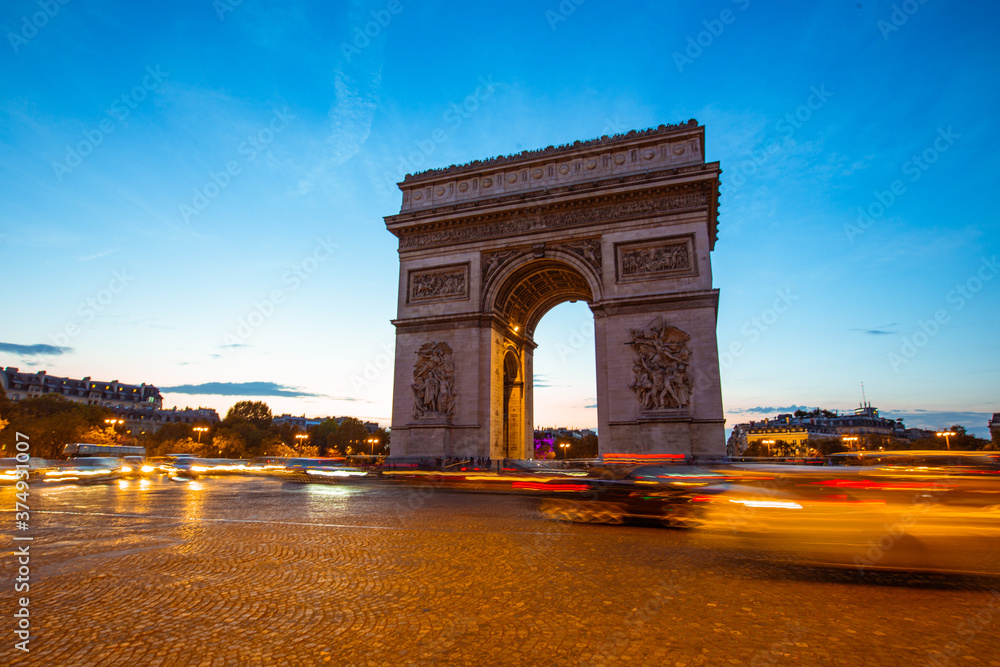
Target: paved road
{"x": 239, "y": 571}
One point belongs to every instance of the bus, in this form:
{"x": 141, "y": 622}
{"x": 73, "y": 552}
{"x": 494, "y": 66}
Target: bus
{"x": 118, "y": 451}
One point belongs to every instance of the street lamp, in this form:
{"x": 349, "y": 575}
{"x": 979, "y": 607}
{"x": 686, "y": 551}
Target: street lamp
{"x": 373, "y": 442}
{"x": 200, "y": 430}
{"x": 947, "y": 435}
{"x": 849, "y": 440}
{"x": 768, "y": 443}
{"x": 565, "y": 448}
{"x": 300, "y": 437}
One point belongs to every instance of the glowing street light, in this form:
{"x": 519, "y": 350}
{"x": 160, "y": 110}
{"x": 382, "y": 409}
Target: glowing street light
{"x": 850, "y": 441}
{"x": 947, "y": 435}
{"x": 200, "y": 430}
{"x": 768, "y": 443}
{"x": 300, "y": 437}
{"x": 565, "y": 448}
{"x": 372, "y": 442}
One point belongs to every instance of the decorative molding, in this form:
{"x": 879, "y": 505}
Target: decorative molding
{"x": 656, "y": 259}
{"x": 581, "y": 162}
{"x": 542, "y": 152}
{"x": 693, "y": 196}
{"x": 445, "y": 283}
{"x": 662, "y": 357}
{"x": 434, "y": 382}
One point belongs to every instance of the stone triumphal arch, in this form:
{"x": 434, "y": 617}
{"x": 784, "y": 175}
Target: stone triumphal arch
{"x": 624, "y": 223}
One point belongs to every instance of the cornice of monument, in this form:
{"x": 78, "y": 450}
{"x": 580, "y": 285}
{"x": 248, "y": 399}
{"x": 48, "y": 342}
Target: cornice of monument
{"x": 591, "y": 204}
{"x": 533, "y": 155}
{"x": 583, "y": 162}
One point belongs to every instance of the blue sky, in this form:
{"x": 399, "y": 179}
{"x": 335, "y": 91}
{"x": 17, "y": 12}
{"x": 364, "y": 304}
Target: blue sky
{"x": 191, "y": 194}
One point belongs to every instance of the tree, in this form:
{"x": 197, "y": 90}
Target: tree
{"x": 351, "y": 437}
{"x": 51, "y": 421}
{"x": 253, "y": 412}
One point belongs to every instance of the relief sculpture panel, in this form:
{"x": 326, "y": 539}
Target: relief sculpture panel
{"x": 662, "y": 358}
{"x": 442, "y": 284}
{"x": 434, "y": 382}
{"x": 655, "y": 259}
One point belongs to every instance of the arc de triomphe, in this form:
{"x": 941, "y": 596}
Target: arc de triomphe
{"x": 625, "y": 223}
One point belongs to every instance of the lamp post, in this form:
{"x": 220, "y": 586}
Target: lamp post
{"x": 849, "y": 441}
{"x": 200, "y": 430}
{"x": 768, "y": 443}
{"x": 947, "y": 437}
{"x": 300, "y": 437}
{"x": 565, "y": 448}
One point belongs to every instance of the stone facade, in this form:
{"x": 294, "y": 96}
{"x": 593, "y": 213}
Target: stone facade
{"x": 625, "y": 223}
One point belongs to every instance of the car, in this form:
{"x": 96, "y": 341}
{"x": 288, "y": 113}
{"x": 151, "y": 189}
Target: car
{"x": 670, "y": 495}
{"x": 11, "y": 474}
{"x": 84, "y": 470}
{"x": 867, "y": 517}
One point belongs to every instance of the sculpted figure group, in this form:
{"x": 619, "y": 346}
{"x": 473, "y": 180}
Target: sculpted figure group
{"x": 660, "y": 368}
{"x": 434, "y": 381}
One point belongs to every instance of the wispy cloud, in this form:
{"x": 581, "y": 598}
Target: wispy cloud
{"x": 542, "y": 382}
{"x": 883, "y": 330}
{"x": 104, "y": 253}
{"x": 241, "y": 389}
{"x": 974, "y": 422}
{"x": 33, "y": 350}
{"x": 768, "y": 410}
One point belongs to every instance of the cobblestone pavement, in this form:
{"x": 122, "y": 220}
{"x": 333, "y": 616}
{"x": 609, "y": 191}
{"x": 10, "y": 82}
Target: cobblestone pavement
{"x": 239, "y": 571}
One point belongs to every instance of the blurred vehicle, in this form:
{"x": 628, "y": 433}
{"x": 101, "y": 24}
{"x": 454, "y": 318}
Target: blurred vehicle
{"x": 180, "y": 467}
{"x": 118, "y": 451}
{"x": 943, "y": 460}
{"x": 10, "y": 473}
{"x": 136, "y": 466}
{"x": 671, "y": 495}
{"x": 872, "y": 517}
{"x": 319, "y": 470}
{"x": 84, "y": 470}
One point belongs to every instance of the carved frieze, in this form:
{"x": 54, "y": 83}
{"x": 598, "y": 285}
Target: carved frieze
{"x": 634, "y": 153}
{"x": 654, "y": 259}
{"x": 662, "y": 358}
{"x": 521, "y": 224}
{"x": 445, "y": 283}
{"x": 589, "y": 250}
{"x": 434, "y": 382}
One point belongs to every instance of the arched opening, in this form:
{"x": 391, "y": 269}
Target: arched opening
{"x": 522, "y": 298}
{"x": 565, "y": 375}
{"x": 513, "y": 390}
